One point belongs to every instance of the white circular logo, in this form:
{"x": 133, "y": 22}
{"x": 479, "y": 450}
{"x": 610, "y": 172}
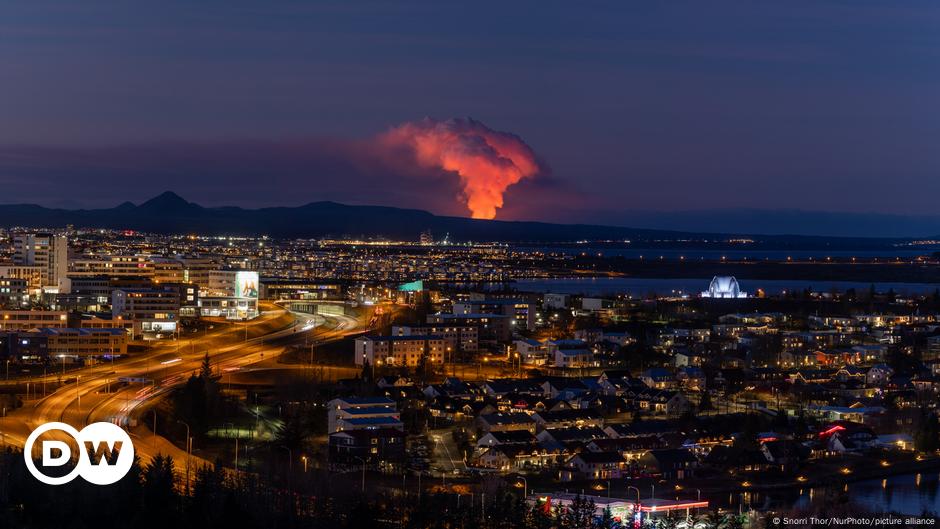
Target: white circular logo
{"x": 105, "y": 453}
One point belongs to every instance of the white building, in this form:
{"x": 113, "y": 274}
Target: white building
{"x": 401, "y": 351}
{"x": 574, "y": 358}
{"x": 724, "y": 287}
{"x": 111, "y": 266}
{"x": 47, "y": 251}
{"x": 355, "y": 413}
{"x": 153, "y": 310}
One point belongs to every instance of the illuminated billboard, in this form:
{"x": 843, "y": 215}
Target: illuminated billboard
{"x": 246, "y": 284}
{"x": 414, "y": 286}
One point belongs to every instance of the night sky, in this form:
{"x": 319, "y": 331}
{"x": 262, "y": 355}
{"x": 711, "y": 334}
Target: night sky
{"x": 628, "y": 106}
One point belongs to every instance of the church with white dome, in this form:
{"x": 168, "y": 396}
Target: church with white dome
{"x": 725, "y": 287}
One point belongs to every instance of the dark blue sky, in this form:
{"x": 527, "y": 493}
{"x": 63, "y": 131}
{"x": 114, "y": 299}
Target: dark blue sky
{"x": 632, "y": 105}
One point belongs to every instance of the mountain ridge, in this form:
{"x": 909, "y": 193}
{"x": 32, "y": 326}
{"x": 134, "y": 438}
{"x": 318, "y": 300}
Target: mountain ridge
{"x": 169, "y": 212}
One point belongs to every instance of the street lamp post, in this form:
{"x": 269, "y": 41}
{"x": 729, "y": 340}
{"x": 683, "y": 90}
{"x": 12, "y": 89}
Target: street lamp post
{"x": 637, "y": 509}
{"x": 188, "y": 445}
{"x": 363, "y": 461}
{"x": 525, "y": 487}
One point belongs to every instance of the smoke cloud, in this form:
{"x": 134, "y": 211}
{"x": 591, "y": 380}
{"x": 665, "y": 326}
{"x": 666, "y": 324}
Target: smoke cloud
{"x": 447, "y": 167}
{"x": 486, "y": 161}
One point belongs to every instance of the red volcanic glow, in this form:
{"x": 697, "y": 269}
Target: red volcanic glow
{"x": 486, "y": 161}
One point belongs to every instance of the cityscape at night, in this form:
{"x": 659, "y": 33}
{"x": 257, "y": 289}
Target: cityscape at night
{"x": 423, "y": 265}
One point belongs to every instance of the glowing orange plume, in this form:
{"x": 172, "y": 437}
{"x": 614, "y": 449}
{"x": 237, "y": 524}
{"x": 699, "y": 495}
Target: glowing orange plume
{"x": 487, "y": 161}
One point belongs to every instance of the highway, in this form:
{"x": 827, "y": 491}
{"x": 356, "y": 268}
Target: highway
{"x": 99, "y": 395}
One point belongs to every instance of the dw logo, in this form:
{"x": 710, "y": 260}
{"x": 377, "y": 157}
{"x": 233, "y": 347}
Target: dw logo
{"x": 105, "y": 453}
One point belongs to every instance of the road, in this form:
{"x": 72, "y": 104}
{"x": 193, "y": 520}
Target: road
{"x": 98, "y": 395}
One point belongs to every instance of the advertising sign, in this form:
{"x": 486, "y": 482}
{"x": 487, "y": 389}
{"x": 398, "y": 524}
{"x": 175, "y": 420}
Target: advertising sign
{"x": 246, "y": 284}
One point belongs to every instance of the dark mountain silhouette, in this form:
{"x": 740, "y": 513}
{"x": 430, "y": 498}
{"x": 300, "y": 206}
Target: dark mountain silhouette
{"x": 170, "y": 213}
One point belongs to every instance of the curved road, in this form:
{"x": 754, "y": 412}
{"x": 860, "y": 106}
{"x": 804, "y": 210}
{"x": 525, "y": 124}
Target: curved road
{"x": 97, "y": 395}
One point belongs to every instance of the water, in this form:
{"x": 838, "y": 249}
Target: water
{"x": 639, "y": 287}
{"x": 909, "y": 494}
{"x": 738, "y": 255}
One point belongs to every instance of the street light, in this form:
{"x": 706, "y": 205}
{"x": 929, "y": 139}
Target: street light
{"x": 637, "y": 498}
{"x": 188, "y": 447}
{"x": 525, "y": 487}
{"x": 363, "y": 461}
{"x": 304, "y": 459}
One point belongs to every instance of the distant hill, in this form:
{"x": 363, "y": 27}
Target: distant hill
{"x": 170, "y": 213}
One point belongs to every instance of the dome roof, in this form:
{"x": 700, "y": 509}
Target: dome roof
{"x": 724, "y": 287}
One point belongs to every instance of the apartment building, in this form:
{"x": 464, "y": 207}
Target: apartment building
{"x": 459, "y": 338}
{"x": 112, "y": 266}
{"x": 13, "y": 292}
{"x": 48, "y": 252}
{"x": 402, "y": 351}
{"x": 362, "y": 413}
{"x": 154, "y": 311}
{"x": 72, "y": 343}
{"x": 25, "y": 320}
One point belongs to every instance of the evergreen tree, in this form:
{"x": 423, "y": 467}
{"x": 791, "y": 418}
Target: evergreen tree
{"x": 670, "y": 520}
{"x": 927, "y": 438}
{"x": 423, "y": 370}
{"x": 159, "y": 494}
{"x": 733, "y": 521}
{"x": 713, "y": 519}
{"x": 539, "y": 516}
{"x": 606, "y": 521}
{"x": 705, "y": 401}
{"x": 206, "y": 372}
{"x": 580, "y": 514}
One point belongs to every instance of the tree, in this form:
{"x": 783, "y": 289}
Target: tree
{"x": 705, "y": 401}
{"x": 292, "y": 432}
{"x": 747, "y": 437}
{"x": 733, "y": 521}
{"x": 580, "y": 514}
{"x": 424, "y": 365}
{"x": 800, "y": 427}
{"x": 206, "y": 372}
{"x": 158, "y": 492}
{"x": 539, "y": 516}
{"x": 713, "y": 519}
{"x": 927, "y": 437}
{"x": 606, "y": 521}
{"x": 208, "y": 498}
{"x": 669, "y": 521}
{"x": 366, "y": 373}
